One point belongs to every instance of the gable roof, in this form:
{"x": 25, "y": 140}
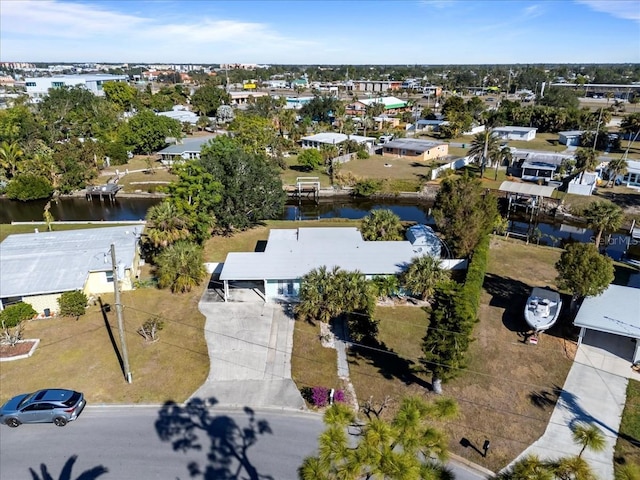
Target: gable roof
{"x": 53, "y": 262}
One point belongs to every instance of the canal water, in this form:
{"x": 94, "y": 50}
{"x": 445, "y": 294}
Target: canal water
{"x": 549, "y": 231}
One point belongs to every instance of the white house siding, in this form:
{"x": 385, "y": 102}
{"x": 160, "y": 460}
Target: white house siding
{"x": 41, "y": 302}
{"x": 97, "y": 282}
{"x": 282, "y": 289}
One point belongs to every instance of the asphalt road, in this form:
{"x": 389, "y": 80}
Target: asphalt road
{"x": 138, "y": 443}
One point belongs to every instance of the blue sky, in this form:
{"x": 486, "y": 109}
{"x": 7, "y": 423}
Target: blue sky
{"x": 327, "y": 32}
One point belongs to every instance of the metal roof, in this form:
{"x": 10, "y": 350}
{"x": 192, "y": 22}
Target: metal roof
{"x": 615, "y": 311}
{"x": 413, "y": 144}
{"x": 514, "y": 129}
{"x": 187, "y": 145}
{"x": 292, "y": 253}
{"x": 388, "y": 102}
{"x": 527, "y": 189}
{"x": 53, "y": 262}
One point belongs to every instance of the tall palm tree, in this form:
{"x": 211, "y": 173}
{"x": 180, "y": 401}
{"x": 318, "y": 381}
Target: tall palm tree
{"x": 319, "y": 297}
{"x": 588, "y": 436}
{"x": 165, "y": 225}
{"x": 381, "y": 225}
{"x": 422, "y": 276}
{"x": 180, "y": 267}
{"x": 485, "y": 148}
{"x": 603, "y": 216}
{"x": 10, "y": 156}
{"x": 616, "y": 167}
{"x": 586, "y": 161}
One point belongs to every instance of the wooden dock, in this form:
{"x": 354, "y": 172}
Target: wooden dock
{"x": 103, "y": 192}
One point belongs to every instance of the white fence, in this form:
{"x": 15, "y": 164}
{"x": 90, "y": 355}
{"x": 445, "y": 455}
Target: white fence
{"x": 456, "y": 164}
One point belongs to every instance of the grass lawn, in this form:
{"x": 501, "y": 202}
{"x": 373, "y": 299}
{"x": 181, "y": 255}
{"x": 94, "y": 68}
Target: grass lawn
{"x": 146, "y": 181}
{"x": 626, "y": 452}
{"x": 80, "y": 354}
{"x": 507, "y": 393}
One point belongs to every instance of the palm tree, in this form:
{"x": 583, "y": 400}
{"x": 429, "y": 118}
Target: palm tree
{"x": 616, "y": 167}
{"x": 165, "y": 225}
{"x": 530, "y": 467}
{"x": 180, "y": 267}
{"x": 573, "y": 468}
{"x": 10, "y": 155}
{"x": 319, "y": 299}
{"x": 422, "y": 276}
{"x": 586, "y": 160}
{"x": 381, "y": 224}
{"x": 603, "y": 216}
{"x": 588, "y": 436}
{"x": 485, "y": 147}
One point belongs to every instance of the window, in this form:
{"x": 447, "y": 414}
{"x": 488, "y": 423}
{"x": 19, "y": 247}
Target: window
{"x": 31, "y": 84}
{"x": 109, "y": 274}
{"x": 57, "y": 84}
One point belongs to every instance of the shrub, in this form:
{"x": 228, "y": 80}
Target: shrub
{"x": 151, "y": 328}
{"x": 339, "y": 396}
{"x": 14, "y": 314}
{"x": 72, "y": 304}
{"x": 363, "y": 154}
{"x": 366, "y": 188}
{"x": 29, "y": 187}
{"x": 320, "y": 396}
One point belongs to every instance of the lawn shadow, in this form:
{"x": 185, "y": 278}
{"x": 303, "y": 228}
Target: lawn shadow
{"x": 543, "y": 399}
{"x": 104, "y": 309}
{"x": 389, "y": 364}
{"x": 510, "y": 295}
{"x": 65, "y": 474}
{"x": 420, "y": 165}
{"x": 228, "y": 456}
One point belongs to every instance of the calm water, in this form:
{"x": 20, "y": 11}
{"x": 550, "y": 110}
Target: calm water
{"x": 78, "y": 209}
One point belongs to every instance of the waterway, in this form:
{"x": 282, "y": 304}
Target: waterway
{"x": 550, "y": 231}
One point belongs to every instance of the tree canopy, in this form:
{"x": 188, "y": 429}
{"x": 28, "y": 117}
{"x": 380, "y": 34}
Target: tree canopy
{"x": 147, "y": 132}
{"x": 583, "y": 271}
{"x": 381, "y": 225}
{"x": 208, "y": 98}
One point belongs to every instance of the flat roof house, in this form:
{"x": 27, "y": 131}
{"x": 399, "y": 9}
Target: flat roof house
{"x": 391, "y": 105}
{"x": 570, "y": 138}
{"x": 38, "y": 87}
{"x": 36, "y": 268}
{"x": 181, "y": 114}
{"x": 187, "y": 149}
{"x": 632, "y": 177}
{"x": 330, "y": 138}
{"x": 515, "y": 133}
{"x": 415, "y": 148}
{"x": 292, "y": 253}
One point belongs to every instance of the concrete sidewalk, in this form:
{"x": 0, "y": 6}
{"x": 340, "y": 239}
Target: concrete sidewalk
{"x": 594, "y": 392}
{"x": 250, "y": 346}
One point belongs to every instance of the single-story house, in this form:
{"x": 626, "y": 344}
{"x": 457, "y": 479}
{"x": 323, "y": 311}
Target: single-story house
{"x": 570, "y": 138}
{"x": 632, "y": 177}
{"x": 535, "y": 166}
{"x": 614, "y": 312}
{"x": 36, "y": 268}
{"x": 292, "y": 253}
{"x": 181, "y": 114}
{"x": 515, "y": 133}
{"x": 185, "y": 149}
{"x": 415, "y": 148}
{"x": 330, "y": 138}
{"x": 391, "y": 105}
{"x": 241, "y": 98}
{"x": 385, "y": 121}
{"x": 430, "y": 125}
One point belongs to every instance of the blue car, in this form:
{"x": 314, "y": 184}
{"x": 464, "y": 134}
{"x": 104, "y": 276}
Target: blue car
{"x": 57, "y": 406}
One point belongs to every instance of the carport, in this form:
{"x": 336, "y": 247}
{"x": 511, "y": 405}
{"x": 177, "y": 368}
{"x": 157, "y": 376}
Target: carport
{"x": 614, "y": 312}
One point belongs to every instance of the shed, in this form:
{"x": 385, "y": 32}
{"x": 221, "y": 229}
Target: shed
{"x": 570, "y": 138}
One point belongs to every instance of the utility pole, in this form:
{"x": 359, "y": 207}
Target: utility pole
{"x": 116, "y": 289}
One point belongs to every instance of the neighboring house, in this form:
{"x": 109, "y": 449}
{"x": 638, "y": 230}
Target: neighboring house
{"x": 584, "y": 183}
{"x": 536, "y": 166}
{"x": 38, "y": 87}
{"x": 392, "y": 105}
{"x": 36, "y": 268}
{"x": 181, "y": 114}
{"x": 430, "y": 125}
{"x": 296, "y": 103}
{"x": 570, "y": 138}
{"x": 632, "y": 177}
{"x": 186, "y": 149}
{"x": 329, "y": 138}
{"x": 375, "y": 85}
{"x": 615, "y": 314}
{"x": 292, "y": 253}
{"x": 415, "y": 148}
{"x": 242, "y": 98}
{"x": 385, "y": 121}
{"x": 515, "y": 133}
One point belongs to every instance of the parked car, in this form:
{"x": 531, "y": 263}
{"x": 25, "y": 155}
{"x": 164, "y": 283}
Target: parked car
{"x": 58, "y": 406}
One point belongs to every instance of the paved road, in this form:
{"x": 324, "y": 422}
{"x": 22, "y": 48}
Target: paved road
{"x": 136, "y": 443}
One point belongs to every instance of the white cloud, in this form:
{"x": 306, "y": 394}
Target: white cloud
{"x": 627, "y": 9}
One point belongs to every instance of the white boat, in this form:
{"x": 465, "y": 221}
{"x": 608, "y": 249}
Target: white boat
{"x": 543, "y": 308}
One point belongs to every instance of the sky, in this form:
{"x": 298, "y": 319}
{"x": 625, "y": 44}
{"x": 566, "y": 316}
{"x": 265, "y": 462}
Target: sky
{"x": 425, "y": 32}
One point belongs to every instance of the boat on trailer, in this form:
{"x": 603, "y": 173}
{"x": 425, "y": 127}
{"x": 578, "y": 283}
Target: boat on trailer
{"x": 542, "y": 309}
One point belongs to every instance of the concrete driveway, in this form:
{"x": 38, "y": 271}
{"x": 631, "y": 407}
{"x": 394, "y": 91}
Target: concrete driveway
{"x": 594, "y": 392}
{"x": 250, "y": 345}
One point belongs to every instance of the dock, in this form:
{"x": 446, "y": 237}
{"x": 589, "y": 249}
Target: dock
{"x": 103, "y": 192}
{"x": 307, "y": 187}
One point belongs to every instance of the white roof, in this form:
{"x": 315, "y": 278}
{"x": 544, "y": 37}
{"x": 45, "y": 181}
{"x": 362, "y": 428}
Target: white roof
{"x": 292, "y": 253}
{"x": 53, "y": 262}
{"x": 527, "y": 189}
{"x": 188, "y": 145}
{"x": 615, "y": 311}
{"x": 331, "y": 138}
{"x": 514, "y": 129}
{"x": 386, "y": 101}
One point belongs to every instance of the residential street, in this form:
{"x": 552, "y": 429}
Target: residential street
{"x": 126, "y": 441}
